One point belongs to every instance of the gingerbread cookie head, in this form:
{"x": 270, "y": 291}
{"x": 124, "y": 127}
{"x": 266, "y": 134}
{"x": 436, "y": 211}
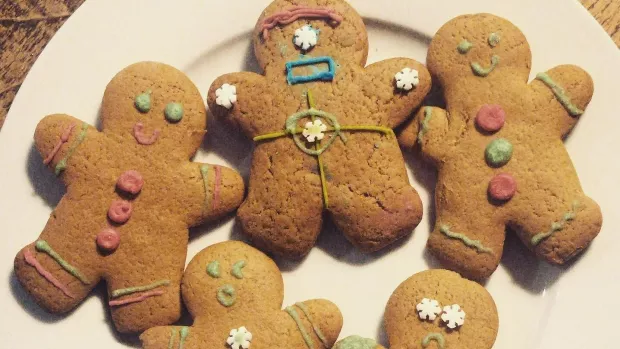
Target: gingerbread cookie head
{"x": 479, "y": 44}
{"x": 439, "y": 309}
{"x": 320, "y": 28}
{"x": 170, "y": 121}
{"x": 232, "y": 278}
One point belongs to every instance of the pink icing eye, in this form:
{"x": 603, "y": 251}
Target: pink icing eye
{"x": 130, "y": 181}
{"x": 120, "y": 211}
{"x": 108, "y": 239}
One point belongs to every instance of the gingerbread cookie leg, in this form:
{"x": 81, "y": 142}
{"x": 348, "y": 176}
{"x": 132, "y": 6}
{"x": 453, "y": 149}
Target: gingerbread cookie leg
{"x": 467, "y": 241}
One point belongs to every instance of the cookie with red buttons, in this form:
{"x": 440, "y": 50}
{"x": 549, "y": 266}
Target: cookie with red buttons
{"x": 132, "y": 194}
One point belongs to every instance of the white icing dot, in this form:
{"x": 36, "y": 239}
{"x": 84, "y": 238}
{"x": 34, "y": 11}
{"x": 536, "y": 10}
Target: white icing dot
{"x": 226, "y": 96}
{"x": 305, "y": 37}
{"x": 407, "y": 79}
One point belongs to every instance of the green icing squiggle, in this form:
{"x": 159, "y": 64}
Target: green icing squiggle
{"x": 557, "y": 226}
{"x": 173, "y": 335}
{"x": 129, "y": 290}
{"x": 62, "y": 164}
{"x": 483, "y": 72}
{"x": 437, "y": 337}
{"x": 226, "y": 295}
{"x": 445, "y": 229}
{"x": 428, "y": 113}
{"x": 184, "y": 332}
{"x": 560, "y": 94}
{"x": 236, "y": 269}
{"x": 295, "y": 316}
{"x": 43, "y": 246}
{"x": 356, "y": 342}
{"x": 317, "y": 330}
{"x": 213, "y": 269}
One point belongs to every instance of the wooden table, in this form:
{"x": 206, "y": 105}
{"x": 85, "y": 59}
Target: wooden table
{"x": 26, "y": 26}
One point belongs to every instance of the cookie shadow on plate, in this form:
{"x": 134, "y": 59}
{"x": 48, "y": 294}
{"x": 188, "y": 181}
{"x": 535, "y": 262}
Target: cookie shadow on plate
{"x": 131, "y": 340}
{"x": 29, "y": 305}
{"x": 44, "y": 182}
{"x": 381, "y": 336}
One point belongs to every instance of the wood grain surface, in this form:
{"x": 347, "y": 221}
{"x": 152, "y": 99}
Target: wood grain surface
{"x": 26, "y": 26}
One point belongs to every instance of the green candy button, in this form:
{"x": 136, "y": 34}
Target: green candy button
{"x": 174, "y": 112}
{"x": 498, "y": 152}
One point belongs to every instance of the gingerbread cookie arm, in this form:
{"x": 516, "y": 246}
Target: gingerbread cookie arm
{"x": 319, "y": 322}
{"x": 159, "y": 337}
{"x": 222, "y": 189}
{"x": 61, "y": 140}
{"x": 429, "y": 130}
{"x": 562, "y": 94}
{"x": 399, "y": 84}
{"x": 238, "y": 98}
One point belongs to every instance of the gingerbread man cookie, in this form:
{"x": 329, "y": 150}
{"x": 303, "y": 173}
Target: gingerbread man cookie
{"x": 235, "y": 293}
{"x": 498, "y": 148}
{"x": 131, "y": 195}
{"x": 322, "y": 125}
{"x": 436, "y": 309}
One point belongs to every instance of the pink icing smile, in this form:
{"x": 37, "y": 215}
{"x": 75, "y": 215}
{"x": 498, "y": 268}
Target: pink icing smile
{"x": 120, "y": 211}
{"x": 108, "y": 239}
{"x": 130, "y": 181}
{"x": 141, "y": 138}
{"x": 64, "y": 138}
{"x": 292, "y": 14}
{"x": 136, "y": 299}
{"x": 31, "y": 260}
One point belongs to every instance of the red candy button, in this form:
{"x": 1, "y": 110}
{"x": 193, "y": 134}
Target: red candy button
{"x": 502, "y": 187}
{"x": 120, "y": 211}
{"x": 130, "y": 181}
{"x": 490, "y": 117}
{"x": 108, "y": 239}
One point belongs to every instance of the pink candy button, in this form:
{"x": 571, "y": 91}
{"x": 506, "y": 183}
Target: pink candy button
{"x": 120, "y": 211}
{"x": 502, "y": 187}
{"x": 490, "y": 117}
{"x": 130, "y": 181}
{"x": 108, "y": 239}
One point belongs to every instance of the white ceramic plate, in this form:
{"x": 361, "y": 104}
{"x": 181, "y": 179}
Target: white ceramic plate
{"x": 540, "y": 306}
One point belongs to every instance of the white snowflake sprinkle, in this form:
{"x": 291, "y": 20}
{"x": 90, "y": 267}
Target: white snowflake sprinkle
{"x": 453, "y": 316}
{"x": 407, "y": 79}
{"x": 305, "y": 37}
{"x": 226, "y": 96}
{"x": 428, "y": 309}
{"x": 314, "y": 130}
{"x": 239, "y": 338}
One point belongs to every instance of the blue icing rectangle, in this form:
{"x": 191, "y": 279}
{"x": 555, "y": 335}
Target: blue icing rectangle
{"x": 316, "y": 76}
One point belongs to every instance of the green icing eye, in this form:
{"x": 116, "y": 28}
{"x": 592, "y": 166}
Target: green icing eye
{"x": 213, "y": 269}
{"x": 143, "y": 102}
{"x": 494, "y": 39}
{"x": 464, "y": 46}
{"x": 174, "y": 112}
{"x": 236, "y": 269}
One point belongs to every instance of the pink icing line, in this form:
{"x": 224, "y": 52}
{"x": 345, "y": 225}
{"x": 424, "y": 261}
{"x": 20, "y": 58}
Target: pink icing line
{"x": 136, "y": 299}
{"x": 294, "y": 13}
{"x": 217, "y": 186}
{"x": 141, "y": 137}
{"x": 31, "y": 260}
{"x": 64, "y": 138}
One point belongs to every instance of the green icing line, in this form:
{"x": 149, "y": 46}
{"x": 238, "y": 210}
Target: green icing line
{"x": 317, "y": 330}
{"x": 213, "y": 269}
{"x": 184, "y": 331}
{"x": 62, "y": 164}
{"x": 560, "y": 94}
{"x": 480, "y": 71}
{"x": 356, "y": 342}
{"x": 226, "y": 295}
{"x": 494, "y": 39}
{"x": 204, "y": 171}
{"x": 295, "y": 316}
{"x": 445, "y": 229}
{"x": 129, "y": 290}
{"x": 143, "y": 102}
{"x": 283, "y": 49}
{"x": 43, "y": 246}
{"x": 291, "y": 128}
{"x": 498, "y": 152}
{"x": 174, "y": 112}
{"x": 464, "y": 47}
{"x": 557, "y": 226}
{"x": 173, "y": 335}
{"x": 428, "y": 113}
{"x": 437, "y": 337}
{"x": 236, "y": 269}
